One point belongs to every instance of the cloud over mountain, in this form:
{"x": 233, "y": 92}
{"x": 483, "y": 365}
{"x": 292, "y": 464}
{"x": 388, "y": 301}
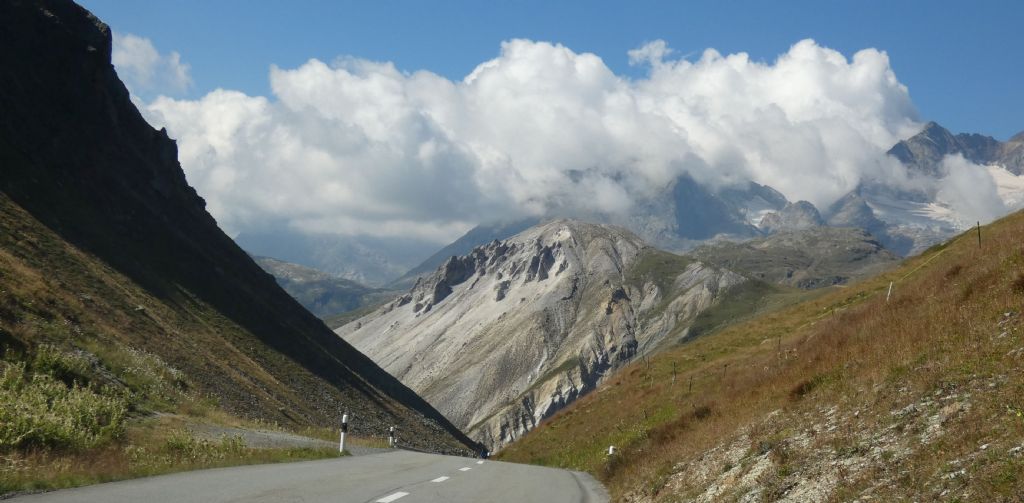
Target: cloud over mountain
{"x": 359, "y": 147}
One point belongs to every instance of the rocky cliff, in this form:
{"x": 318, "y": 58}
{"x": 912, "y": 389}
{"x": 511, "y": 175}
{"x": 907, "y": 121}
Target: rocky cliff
{"x": 508, "y": 334}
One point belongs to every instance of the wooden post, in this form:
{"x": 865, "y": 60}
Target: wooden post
{"x": 691, "y": 384}
{"x": 979, "y": 234}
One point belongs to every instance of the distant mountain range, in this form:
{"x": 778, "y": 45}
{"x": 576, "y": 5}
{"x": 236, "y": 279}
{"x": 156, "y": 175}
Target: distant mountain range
{"x": 322, "y": 294}
{"x": 686, "y": 214}
{"x": 367, "y": 260}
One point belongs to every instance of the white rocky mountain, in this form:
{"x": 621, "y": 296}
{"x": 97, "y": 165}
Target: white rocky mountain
{"x": 506, "y": 335}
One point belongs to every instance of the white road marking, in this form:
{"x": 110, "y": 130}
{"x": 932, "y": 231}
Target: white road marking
{"x": 392, "y": 497}
{"x": 440, "y": 479}
{"x": 465, "y": 469}
{"x": 479, "y": 462}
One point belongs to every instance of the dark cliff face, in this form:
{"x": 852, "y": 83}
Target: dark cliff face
{"x": 77, "y": 155}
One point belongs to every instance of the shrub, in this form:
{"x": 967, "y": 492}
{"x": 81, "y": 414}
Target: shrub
{"x": 66, "y": 367}
{"x": 42, "y": 411}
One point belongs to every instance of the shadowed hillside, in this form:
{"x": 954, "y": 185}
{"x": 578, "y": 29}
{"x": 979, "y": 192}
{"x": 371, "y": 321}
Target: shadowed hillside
{"x": 105, "y": 250}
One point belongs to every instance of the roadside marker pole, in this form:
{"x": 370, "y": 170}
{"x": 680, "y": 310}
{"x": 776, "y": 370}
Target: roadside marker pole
{"x": 344, "y": 430}
{"x": 888, "y": 294}
{"x": 979, "y": 234}
{"x": 391, "y": 437}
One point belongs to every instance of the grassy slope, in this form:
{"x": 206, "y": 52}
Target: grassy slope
{"x": 846, "y": 391}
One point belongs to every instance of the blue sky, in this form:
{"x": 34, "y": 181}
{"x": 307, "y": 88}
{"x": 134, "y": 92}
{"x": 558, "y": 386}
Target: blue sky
{"x": 959, "y": 60}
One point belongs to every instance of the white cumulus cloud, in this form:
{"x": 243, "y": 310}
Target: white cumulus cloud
{"x": 360, "y": 147}
{"x": 144, "y": 70}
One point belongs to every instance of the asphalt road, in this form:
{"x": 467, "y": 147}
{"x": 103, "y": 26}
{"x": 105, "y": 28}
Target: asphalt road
{"x": 401, "y": 476}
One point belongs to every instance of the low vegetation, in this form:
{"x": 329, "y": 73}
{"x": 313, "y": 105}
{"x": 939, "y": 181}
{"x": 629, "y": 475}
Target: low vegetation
{"x": 70, "y": 417}
{"x": 909, "y": 395}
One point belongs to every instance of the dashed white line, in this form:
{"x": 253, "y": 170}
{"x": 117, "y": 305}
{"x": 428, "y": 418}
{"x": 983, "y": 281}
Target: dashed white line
{"x": 392, "y": 497}
{"x": 465, "y": 469}
{"x": 479, "y": 462}
{"x": 440, "y": 479}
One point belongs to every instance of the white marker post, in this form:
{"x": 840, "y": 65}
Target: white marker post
{"x": 344, "y": 430}
{"x": 391, "y": 437}
{"x": 611, "y": 450}
{"x": 887, "y": 295}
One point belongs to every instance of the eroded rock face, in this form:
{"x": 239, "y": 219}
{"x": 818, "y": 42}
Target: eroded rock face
{"x": 515, "y": 330}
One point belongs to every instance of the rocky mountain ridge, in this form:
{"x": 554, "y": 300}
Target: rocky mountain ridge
{"x": 924, "y": 151}
{"x": 502, "y": 337}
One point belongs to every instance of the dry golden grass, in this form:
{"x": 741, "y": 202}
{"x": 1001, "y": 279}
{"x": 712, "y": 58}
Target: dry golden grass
{"x": 943, "y": 332}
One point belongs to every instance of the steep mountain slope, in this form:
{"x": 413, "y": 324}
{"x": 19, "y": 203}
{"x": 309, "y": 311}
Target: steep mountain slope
{"x": 106, "y": 249}
{"x": 862, "y": 394}
{"x": 508, "y": 334}
{"x": 809, "y": 258}
{"x": 322, "y": 294}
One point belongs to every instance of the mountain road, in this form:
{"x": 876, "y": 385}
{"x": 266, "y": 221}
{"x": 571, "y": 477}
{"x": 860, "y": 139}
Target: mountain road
{"x": 397, "y": 476}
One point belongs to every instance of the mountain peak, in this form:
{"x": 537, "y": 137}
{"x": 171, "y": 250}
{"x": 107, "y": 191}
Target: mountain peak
{"x": 933, "y": 128}
{"x": 924, "y": 151}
